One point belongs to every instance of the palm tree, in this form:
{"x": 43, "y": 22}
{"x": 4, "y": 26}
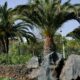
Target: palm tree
{"x": 48, "y": 15}
{"x": 9, "y": 29}
{"x": 75, "y": 34}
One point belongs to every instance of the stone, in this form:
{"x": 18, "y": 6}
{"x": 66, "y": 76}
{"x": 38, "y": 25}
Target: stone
{"x": 55, "y": 58}
{"x": 34, "y": 74}
{"x": 71, "y": 69}
{"x": 33, "y": 62}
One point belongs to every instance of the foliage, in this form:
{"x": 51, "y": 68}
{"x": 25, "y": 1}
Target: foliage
{"x": 10, "y": 29}
{"x": 6, "y": 79}
{"x": 75, "y": 34}
{"x": 58, "y": 42}
{"x": 35, "y": 48}
{"x": 48, "y": 15}
{"x": 75, "y": 43}
{"x": 72, "y": 46}
{"x": 15, "y": 56}
{"x": 20, "y": 53}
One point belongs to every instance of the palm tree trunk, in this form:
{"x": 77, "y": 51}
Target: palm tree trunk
{"x": 7, "y": 45}
{"x": 49, "y": 45}
{"x": 50, "y": 48}
{"x": 3, "y": 44}
{"x": 7, "y": 48}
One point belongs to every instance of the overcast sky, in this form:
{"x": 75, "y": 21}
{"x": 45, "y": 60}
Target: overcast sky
{"x": 66, "y": 27}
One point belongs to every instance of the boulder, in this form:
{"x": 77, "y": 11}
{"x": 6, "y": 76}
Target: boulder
{"x": 55, "y": 58}
{"x": 44, "y": 71}
{"x": 34, "y": 74}
{"x": 33, "y": 62}
{"x": 71, "y": 70}
{"x": 59, "y": 58}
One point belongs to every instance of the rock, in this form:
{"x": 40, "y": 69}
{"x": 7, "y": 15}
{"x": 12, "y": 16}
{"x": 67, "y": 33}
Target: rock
{"x": 34, "y": 74}
{"x": 42, "y": 72}
{"x": 55, "y": 58}
{"x": 18, "y": 72}
{"x": 59, "y": 58}
{"x": 71, "y": 70}
{"x": 47, "y": 71}
{"x": 33, "y": 62}
{"x": 59, "y": 68}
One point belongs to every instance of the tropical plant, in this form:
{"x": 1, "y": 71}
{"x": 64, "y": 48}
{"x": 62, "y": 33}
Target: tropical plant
{"x": 72, "y": 47}
{"x": 48, "y": 15}
{"x": 74, "y": 43}
{"x": 10, "y": 29}
{"x": 58, "y": 42}
{"x": 75, "y": 34}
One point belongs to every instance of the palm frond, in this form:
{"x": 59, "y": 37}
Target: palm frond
{"x": 75, "y": 33}
{"x": 8, "y": 28}
{"x": 50, "y": 14}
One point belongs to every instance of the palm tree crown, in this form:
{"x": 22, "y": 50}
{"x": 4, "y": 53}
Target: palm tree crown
{"x": 49, "y": 15}
{"x": 8, "y": 28}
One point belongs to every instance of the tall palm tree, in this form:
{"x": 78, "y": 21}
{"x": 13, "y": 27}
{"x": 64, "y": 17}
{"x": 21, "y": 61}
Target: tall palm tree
{"x": 49, "y": 15}
{"x": 9, "y": 29}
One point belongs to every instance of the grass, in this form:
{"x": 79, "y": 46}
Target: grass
{"x": 6, "y": 79}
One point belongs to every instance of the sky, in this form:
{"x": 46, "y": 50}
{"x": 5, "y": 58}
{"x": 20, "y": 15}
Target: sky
{"x": 66, "y": 27}
{"x": 13, "y": 3}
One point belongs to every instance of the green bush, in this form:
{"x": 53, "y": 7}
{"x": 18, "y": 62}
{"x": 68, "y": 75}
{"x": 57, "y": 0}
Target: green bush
{"x": 18, "y": 54}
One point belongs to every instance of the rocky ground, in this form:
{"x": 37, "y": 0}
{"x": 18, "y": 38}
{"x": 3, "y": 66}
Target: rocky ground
{"x": 20, "y": 72}
{"x": 14, "y": 71}
{"x": 31, "y": 70}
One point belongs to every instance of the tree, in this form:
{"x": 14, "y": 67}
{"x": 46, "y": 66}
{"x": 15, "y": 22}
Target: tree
{"x": 75, "y": 33}
{"x": 49, "y": 15}
{"x": 9, "y": 29}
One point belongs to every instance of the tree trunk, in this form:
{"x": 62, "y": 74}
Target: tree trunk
{"x": 49, "y": 45}
{"x": 7, "y": 49}
{"x": 3, "y": 45}
{"x": 7, "y": 45}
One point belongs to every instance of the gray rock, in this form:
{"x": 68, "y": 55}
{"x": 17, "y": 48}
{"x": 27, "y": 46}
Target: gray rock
{"x": 33, "y": 62}
{"x": 44, "y": 71}
{"x": 59, "y": 58}
{"x": 71, "y": 70}
{"x": 34, "y": 74}
{"x": 55, "y": 58}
